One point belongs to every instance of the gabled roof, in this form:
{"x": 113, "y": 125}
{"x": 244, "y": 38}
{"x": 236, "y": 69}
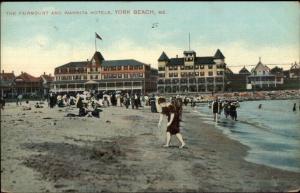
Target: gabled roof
{"x": 198, "y": 61}
{"x": 176, "y": 61}
{"x": 48, "y": 78}
{"x": 27, "y": 78}
{"x": 295, "y": 66}
{"x": 259, "y": 64}
{"x": 132, "y": 62}
{"x": 7, "y": 76}
{"x": 98, "y": 56}
{"x": 227, "y": 70}
{"x": 244, "y": 71}
{"x": 74, "y": 65}
{"x": 219, "y": 55}
{"x": 163, "y": 57}
{"x": 204, "y": 60}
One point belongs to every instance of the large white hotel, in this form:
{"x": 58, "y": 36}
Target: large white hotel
{"x": 191, "y": 73}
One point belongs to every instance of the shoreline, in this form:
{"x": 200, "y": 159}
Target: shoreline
{"x": 248, "y": 170}
{"x": 122, "y": 152}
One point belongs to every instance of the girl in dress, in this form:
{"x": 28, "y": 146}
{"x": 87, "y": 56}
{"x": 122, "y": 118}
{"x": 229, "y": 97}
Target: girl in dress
{"x": 172, "y": 114}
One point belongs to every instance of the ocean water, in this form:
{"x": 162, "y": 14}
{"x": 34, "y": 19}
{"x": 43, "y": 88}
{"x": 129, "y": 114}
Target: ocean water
{"x": 272, "y": 132}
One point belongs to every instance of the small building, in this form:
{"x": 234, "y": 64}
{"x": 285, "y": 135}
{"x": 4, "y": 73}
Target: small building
{"x": 28, "y": 85}
{"x": 294, "y": 71}
{"x": 7, "y": 84}
{"x": 236, "y": 82}
{"x": 261, "y": 77}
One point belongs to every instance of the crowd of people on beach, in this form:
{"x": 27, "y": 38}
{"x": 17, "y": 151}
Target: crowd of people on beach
{"x": 90, "y": 103}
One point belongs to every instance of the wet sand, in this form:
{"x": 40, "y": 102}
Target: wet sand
{"x": 43, "y": 151}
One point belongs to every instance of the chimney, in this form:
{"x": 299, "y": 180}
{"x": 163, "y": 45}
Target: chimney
{"x": 2, "y": 71}
{"x": 44, "y": 73}
{"x": 177, "y": 56}
{"x": 12, "y": 72}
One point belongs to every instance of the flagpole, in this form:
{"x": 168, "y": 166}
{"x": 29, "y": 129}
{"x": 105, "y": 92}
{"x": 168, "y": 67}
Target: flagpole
{"x": 95, "y": 43}
{"x": 189, "y": 42}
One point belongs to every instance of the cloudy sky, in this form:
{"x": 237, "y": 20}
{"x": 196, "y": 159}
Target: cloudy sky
{"x": 243, "y": 31}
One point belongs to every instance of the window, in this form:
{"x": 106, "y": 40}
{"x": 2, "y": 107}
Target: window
{"x": 161, "y": 75}
{"x": 136, "y": 67}
{"x": 91, "y": 77}
{"x": 119, "y": 75}
{"x": 171, "y": 68}
{"x": 96, "y": 76}
{"x": 125, "y": 75}
{"x": 219, "y": 72}
{"x": 170, "y": 74}
{"x": 196, "y": 73}
{"x": 175, "y": 81}
{"x": 189, "y": 67}
{"x": 183, "y": 74}
{"x": 196, "y": 66}
{"x": 140, "y": 67}
{"x": 188, "y": 59}
{"x": 141, "y": 75}
{"x": 181, "y": 67}
{"x": 210, "y": 73}
{"x": 201, "y": 80}
{"x": 130, "y": 67}
{"x": 183, "y": 80}
{"x": 161, "y": 68}
{"x": 168, "y": 81}
{"x": 114, "y": 68}
{"x": 119, "y": 67}
{"x": 210, "y": 66}
{"x": 125, "y": 67}
{"x": 175, "y": 74}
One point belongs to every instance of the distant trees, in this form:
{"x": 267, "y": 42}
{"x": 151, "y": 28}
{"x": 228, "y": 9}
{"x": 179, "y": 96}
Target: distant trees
{"x": 276, "y": 71}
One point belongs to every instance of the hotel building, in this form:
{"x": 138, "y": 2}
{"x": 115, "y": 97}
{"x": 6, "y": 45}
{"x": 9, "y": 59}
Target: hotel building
{"x": 191, "y": 73}
{"x": 105, "y": 75}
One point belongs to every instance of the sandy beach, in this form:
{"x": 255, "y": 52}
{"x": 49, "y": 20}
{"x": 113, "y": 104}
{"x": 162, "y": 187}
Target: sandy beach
{"x": 44, "y": 151}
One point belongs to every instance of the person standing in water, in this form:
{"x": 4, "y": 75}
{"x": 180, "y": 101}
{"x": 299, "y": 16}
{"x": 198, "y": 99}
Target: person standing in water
{"x": 169, "y": 110}
{"x": 233, "y": 112}
{"x": 216, "y": 108}
{"x": 294, "y": 108}
{"x": 259, "y": 106}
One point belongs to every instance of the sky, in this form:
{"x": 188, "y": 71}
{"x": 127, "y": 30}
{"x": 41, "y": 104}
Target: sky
{"x": 60, "y": 32}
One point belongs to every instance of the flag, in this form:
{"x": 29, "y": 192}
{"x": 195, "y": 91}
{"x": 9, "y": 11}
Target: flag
{"x": 97, "y": 36}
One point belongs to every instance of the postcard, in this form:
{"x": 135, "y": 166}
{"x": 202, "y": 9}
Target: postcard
{"x": 150, "y": 97}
